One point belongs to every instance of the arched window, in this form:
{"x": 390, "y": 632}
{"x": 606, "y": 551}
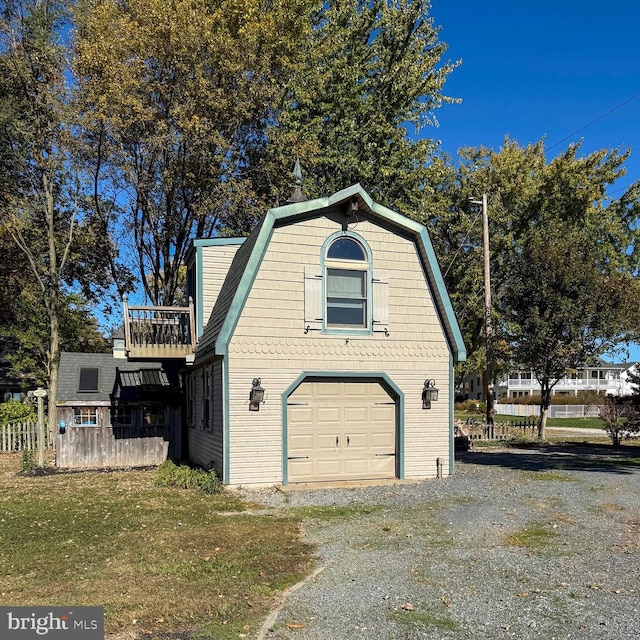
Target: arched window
{"x": 345, "y": 293}
{"x": 346, "y": 249}
{"x": 347, "y": 284}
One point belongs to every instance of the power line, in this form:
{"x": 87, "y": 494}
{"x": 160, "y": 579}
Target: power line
{"x": 600, "y": 117}
{"x": 464, "y": 240}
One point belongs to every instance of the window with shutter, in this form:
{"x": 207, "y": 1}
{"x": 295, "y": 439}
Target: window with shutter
{"x": 343, "y": 294}
{"x": 380, "y": 302}
{"x": 347, "y": 287}
{"x": 313, "y": 307}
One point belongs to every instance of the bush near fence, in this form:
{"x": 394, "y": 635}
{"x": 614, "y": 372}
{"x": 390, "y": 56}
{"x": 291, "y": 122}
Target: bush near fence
{"x": 21, "y": 435}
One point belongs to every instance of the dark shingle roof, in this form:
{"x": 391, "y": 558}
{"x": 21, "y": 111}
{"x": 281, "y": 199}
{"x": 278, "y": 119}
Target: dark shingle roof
{"x": 117, "y": 378}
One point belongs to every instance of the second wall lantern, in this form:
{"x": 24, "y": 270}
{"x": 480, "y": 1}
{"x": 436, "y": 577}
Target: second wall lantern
{"x": 429, "y": 393}
{"x": 256, "y": 395}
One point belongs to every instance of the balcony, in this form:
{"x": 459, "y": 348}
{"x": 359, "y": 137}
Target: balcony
{"x": 159, "y": 332}
{"x": 567, "y": 385}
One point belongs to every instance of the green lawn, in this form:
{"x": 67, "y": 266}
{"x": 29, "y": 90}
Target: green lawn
{"x": 159, "y": 560}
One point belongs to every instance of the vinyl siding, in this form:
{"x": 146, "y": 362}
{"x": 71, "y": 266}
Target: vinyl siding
{"x": 206, "y": 445}
{"x": 216, "y": 261}
{"x": 269, "y": 343}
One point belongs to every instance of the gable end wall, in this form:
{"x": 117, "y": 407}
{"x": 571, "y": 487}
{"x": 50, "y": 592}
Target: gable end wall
{"x": 269, "y": 343}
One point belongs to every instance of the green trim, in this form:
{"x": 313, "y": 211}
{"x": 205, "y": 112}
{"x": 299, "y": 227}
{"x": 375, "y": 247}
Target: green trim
{"x": 211, "y": 242}
{"x": 404, "y": 224}
{"x": 371, "y": 375}
{"x": 195, "y": 252}
{"x": 246, "y": 282}
{"x": 456, "y": 341}
{"x": 199, "y": 291}
{"x": 225, "y": 424}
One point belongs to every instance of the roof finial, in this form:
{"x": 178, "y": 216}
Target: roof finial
{"x": 297, "y": 195}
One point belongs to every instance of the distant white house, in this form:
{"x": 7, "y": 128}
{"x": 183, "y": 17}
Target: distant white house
{"x": 606, "y": 378}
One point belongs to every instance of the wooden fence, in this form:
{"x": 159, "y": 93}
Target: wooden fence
{"x": 500, "y": 430}
{"x": 22, "y": 435}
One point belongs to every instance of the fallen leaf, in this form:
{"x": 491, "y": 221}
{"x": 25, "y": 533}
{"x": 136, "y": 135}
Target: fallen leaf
{"x": 524, "y": 594}
{"x": 207, "y": 558}
{"x": 295, "y": 625}
{"x": 407, "y": 606}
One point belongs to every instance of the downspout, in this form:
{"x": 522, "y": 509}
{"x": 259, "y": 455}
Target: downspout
{"x": 451, "y": 415}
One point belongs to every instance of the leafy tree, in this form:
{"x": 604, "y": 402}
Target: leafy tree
{"x": 42, "y": 196}
{"x": 562, "y": 255}
{"x": 173, "y": 97}
{"x": 370, "y": 79}
{"x": 510, "y": 177}
{"x": 194, "y": 112}
{"x": 78, "y": 331}
{"x": 563, "y": 312}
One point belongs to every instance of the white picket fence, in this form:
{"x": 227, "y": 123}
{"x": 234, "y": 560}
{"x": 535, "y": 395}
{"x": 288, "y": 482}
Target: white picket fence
{"x": 20, "y": 435}
{"x": 555, "y": 410}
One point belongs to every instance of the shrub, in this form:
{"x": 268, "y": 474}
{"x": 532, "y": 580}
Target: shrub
{"x": 186, "y": 477}
{"x": 471, "y": 406}
{"x": 15, "y": 410}
{"x": 28, "y": 461}
{"x": 619, "y": 420}
{"x": 583, "y": 397}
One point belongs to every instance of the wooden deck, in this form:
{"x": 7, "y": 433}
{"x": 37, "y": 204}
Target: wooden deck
{"x": 159, "y": 332}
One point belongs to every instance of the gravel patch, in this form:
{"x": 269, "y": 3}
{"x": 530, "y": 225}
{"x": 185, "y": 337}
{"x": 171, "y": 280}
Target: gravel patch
{"x": 517, "y": 544}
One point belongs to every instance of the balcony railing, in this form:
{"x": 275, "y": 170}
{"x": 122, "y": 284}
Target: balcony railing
{"x": 159, "y": 332}
{"x": 567, "y": 384}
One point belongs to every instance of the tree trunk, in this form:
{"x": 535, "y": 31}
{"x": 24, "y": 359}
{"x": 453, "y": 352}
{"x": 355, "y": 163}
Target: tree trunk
{"x": 54, "y": 364}
{"x": 545, "y": 401}
{"x": 52, "y": 295}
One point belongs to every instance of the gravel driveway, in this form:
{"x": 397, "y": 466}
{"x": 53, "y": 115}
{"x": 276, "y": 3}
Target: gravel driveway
{"x": 517, "y": 544}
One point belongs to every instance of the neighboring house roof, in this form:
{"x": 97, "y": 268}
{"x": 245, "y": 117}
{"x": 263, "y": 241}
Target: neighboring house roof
{"x": 117, "y": 379}
{"x": 246, "y": 263}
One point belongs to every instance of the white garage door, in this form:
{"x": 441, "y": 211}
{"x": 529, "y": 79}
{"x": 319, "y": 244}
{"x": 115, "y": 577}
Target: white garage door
{"x": 341, "y": 430}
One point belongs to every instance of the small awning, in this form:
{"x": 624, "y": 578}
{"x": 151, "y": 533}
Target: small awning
{"x": 144, "y": 378}
{"x": 143, "y": 385}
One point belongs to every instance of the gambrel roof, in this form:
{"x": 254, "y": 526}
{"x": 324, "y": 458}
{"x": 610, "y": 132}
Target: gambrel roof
{"x": 246, "y": 263}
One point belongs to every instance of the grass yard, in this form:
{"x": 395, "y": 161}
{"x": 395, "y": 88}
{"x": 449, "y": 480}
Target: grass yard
{"x": 161, "y": 561}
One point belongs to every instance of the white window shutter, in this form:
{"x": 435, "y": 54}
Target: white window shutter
{"x": 313, "y": 303}
{"x": 380, "y": 301}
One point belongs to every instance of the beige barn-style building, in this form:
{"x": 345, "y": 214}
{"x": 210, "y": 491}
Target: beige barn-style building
{"x": 320, "y": 339}
{"x": 319, "y": 348}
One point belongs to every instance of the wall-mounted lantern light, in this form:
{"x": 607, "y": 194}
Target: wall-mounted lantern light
{"x": 429, "y": 393}
{"x": 256, "y": 395}
{"x": 62, "y": 427}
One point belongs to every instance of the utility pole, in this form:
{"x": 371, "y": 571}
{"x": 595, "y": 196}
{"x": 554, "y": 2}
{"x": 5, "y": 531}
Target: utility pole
{"x": 488, "y": 327}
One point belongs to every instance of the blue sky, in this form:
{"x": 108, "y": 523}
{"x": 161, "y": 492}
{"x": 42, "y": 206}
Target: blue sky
{"x": 543, "y": 69}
